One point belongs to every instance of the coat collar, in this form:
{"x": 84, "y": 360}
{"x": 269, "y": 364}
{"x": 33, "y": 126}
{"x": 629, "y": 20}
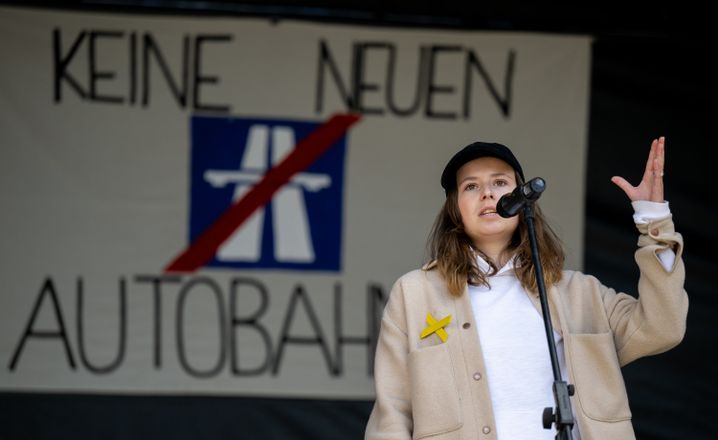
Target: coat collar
{"x": 464, "y": 303}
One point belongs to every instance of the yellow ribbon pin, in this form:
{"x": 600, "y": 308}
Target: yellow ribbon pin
{"x": 436, "y": 327}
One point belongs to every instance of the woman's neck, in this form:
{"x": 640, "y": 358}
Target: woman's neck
{"x": 499, "y": 255}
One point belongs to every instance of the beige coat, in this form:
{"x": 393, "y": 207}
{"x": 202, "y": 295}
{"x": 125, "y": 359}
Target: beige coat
{"x": 426, "y": 388}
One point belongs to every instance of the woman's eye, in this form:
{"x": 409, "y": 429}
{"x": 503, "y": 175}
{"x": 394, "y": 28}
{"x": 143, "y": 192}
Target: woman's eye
{"x": 470, "y": 187}
{"x": 501, "y": 182}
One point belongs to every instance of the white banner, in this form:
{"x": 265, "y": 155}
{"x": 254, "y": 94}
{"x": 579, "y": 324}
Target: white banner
{"x": 201, "y": 205}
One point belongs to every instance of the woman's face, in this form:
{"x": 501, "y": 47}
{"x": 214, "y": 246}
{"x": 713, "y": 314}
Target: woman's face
{"x": 480, "y": 184}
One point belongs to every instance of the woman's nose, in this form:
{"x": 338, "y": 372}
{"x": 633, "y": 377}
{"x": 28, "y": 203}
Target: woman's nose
{"x": 487, "y": 193}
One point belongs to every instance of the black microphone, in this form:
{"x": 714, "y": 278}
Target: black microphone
{"x": 510, "y": 204}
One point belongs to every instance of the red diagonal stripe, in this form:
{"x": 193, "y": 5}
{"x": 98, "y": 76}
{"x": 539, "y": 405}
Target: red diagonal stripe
{"x": 308, "y": 150}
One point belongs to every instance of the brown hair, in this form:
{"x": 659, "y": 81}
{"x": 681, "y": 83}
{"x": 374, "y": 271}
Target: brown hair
{"x": 454, "y": 252}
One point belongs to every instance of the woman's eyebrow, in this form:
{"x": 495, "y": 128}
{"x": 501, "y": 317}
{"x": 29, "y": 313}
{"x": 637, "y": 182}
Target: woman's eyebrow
{"x": 491, "y": 175}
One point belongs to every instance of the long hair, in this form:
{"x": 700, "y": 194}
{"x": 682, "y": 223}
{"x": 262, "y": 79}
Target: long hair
{"x": 455, "y": 255}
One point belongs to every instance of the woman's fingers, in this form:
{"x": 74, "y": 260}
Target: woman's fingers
{"x": 661, "y": 154}
{"x": 651, "y": 186}
{"x": 624, "y": 185}
{"x": 657, "y": 184}
{"x": 650, "y": 163}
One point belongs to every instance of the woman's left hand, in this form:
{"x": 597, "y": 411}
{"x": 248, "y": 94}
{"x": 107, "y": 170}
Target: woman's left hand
{"x": 651, "y": 186}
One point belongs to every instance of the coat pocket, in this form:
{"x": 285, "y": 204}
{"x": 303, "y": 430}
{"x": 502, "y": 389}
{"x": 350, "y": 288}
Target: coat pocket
{"x": 600, "y": 388}
{"x": 436, "y": 407}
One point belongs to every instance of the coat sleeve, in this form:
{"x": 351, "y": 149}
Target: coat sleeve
{"x": 391, "y": 417}
{"x": 656, "y": 320}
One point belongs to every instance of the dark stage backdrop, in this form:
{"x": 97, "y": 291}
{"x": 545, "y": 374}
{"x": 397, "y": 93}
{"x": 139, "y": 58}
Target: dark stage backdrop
{"x": 643, "y": 86}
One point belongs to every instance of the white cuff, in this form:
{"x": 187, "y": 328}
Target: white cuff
{"x": 644, "y": 211}
{"x": 667, "y": 258}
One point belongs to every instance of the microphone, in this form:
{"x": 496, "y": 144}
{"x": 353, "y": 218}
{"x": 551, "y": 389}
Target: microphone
{"x": 510, "y": 204}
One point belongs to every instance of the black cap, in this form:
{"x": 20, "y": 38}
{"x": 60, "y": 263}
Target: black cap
{"x": 475, "y": 151}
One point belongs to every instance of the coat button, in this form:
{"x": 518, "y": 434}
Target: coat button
{"x": 466, "y": 325}
{"x": 486, "y": 430}
{"x": 477, "y": 376}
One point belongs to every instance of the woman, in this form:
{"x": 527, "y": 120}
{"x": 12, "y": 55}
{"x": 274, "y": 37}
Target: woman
{"x": 462, "y": 351}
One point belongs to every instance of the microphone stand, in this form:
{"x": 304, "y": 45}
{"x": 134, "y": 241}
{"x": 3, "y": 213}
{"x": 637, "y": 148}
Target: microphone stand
{"x": 562, "y": 414}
